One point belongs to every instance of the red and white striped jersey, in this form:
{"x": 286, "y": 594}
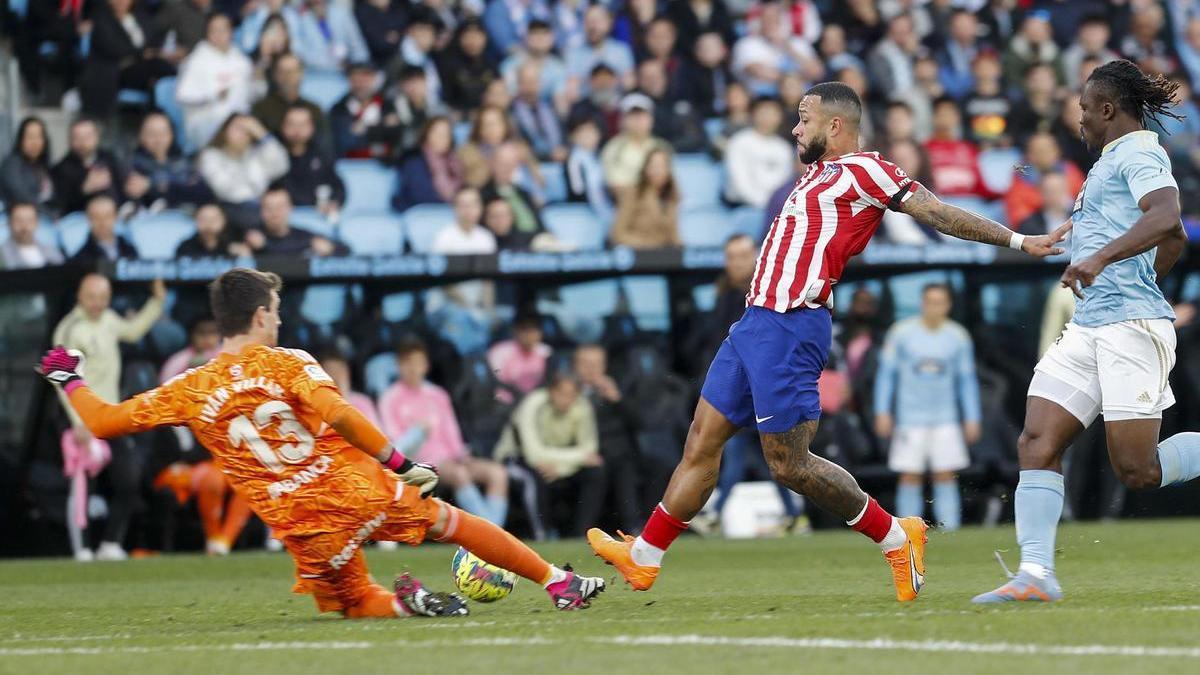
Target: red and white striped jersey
{"x": 830, "y": 216}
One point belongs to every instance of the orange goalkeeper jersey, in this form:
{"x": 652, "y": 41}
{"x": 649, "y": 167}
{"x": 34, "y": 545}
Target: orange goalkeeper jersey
{"x": 260, "y": 414}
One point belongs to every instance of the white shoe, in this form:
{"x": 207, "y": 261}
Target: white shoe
{"x": 216, "y": 547}
{"x": 387, "y": 545}
{"x": 110, "y": 551}
{"x": 274, "y": 545}
{"x": 84, "y": 555}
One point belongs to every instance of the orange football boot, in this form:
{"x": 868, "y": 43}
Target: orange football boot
{"x": 908, "y": 561}
{"x": 618, "y": 554}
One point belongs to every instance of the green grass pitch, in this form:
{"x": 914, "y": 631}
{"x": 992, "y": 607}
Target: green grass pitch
{"x": 820, "y": 604}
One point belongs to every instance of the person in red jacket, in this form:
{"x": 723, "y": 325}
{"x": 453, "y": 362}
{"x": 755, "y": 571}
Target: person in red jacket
{"x": 953, "y": 162}
{"x": 1042, "y": 154}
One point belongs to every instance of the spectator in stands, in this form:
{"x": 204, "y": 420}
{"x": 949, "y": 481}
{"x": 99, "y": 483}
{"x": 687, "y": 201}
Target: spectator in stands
{"x": 1146, "y": 44}
{"x": 311, "y": 180}
{"x": 212, "y": 238}
{"x": 631, "y": 23}
{"x": 1181, "y": 137}
{"x": 499, "y": 220}
{"x": 835, "y": 52}
{"x": 987, "y": 108}
{"x": 327, "y": 38}
{"x": 780, "y": 196}
{"x": 508, "y": 22}
{"x": 585, "y": 175}
{"x": 124, "y": 54}
{"x": 431, "y": 174}
{"x": 599, "y": 47}
{"x": 214, "y": 82}
{"x": 899, "y": 123}
{"x": 1056, "y": 205}
{"x": 675, "y": 120}
{"x": 410, "y": 97}
{"x": 602, "y": 102}
{"x": 1188, "y": 46}
{"x": 415, "y": 405}
{"x": 703, "y": 77}
{"x": 1042, "y": 154}
{"x": 898, "y": 227}
{"x": 1040, "y": 107}
{"x": 953, "y": 162}
{"x": 648, "y": 212}
{"x": 25, "y": 174}
{"x": 553, "y": 436}
{"x": 416, "y": 50}
{"x": 617, "y": 425}
{"x": 927, "y": 403}
{"x": 95, "y": 329}
{"x": 276, "y": 236}
{"x": 204, "y": 343}
{"x": 159, "y": 175}
{"x": 286, "y": 75}
{"x": 86, "y": 171}
{"x": 1033, "y": 44}
{"x": 382, "y": 24}
{"x": 186, "y": 19}
{"x": 338, "y": 369}
{"x": 757, "y": 160}
{"x": 103, "y": 242}
{"x": 520, "y": 361}
{"x": 465, "y": 236}
{"x": 255, "y": 18}
{"x": 240, "y": 162}
{"x": 492, "y": 128}
{"x": 538, "y": 49}
{"x": 274, "y": 41}
{"x": 957, "y": 54}
{"x": 625, "y": 154}
{"x": 659, "y": 45}
{"x": 1066, "y": 132}
{"x": 769, "y": 51}
{"x": 735, "y": 117}
{"x": 694, "y": 18}
{"x": 1091, "y": 42}
{"x": 364, "y": 123}
{"x": 23, "y": 250}
{"x": 465, "y": 68}
{"x": 890, "y": 63}
{"x": 536, "y": 118}
{"x": 506, "y": 160}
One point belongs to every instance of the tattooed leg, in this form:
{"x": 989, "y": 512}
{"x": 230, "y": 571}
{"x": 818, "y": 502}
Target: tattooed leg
{"x": 828, "y": 485}
{"x": 696, "y": 475}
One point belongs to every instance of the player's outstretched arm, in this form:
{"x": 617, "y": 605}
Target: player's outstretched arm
{"x": 62, "y": 367}
{"x": 926, "y": 208}
{"x": 1160, "y": 225}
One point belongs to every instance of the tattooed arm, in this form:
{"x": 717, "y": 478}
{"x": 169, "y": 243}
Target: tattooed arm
{"x": 926, "y": 208}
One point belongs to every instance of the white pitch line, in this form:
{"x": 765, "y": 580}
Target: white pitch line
{"x": 701, "y": 641}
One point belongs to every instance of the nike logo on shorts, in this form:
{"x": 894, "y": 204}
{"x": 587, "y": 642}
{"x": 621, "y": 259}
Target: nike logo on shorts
{"x": 760, "y": 420}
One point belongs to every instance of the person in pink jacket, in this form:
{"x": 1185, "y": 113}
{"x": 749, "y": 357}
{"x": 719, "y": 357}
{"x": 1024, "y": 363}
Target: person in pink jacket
{"x": 413, "y": 403}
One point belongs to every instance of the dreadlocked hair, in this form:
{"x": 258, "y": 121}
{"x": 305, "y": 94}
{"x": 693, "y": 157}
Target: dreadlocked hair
{"x": 1143, "y": 96}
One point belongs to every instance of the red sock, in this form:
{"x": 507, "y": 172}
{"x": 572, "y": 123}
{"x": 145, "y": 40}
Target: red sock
{"x": 662, "y": 528}
{"x": 874, "y": 521}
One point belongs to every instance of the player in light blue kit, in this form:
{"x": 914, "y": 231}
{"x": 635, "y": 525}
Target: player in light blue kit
{"x": 1115, "y": 355}
{"x": 927, "y": 376}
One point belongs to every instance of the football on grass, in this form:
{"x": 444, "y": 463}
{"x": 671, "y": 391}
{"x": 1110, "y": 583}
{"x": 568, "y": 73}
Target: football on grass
{"x": 479, "y": 580}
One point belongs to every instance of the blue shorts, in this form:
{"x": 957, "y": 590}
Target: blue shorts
{"x": 765, "y": 373}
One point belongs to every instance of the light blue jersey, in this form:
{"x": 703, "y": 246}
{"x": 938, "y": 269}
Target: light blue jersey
{"x": 1128, "y": 169}
{"x": 929, "y": 373}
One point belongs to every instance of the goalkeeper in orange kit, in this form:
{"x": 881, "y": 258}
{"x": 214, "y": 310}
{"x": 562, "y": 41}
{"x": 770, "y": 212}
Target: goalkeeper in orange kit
{"x": 310, "y": 465}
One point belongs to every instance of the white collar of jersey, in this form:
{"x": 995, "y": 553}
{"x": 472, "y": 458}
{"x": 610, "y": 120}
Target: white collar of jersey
{"x": 1113, "y": 143}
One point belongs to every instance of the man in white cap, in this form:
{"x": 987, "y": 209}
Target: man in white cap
{"x": 625, "y": 153}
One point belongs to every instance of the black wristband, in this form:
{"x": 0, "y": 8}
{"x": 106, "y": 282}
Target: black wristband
{"x": 405, "y": 466}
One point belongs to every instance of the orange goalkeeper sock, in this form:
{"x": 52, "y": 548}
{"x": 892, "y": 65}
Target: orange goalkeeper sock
{"x": 494, "y": 545}
{"x": 377, "y": 603}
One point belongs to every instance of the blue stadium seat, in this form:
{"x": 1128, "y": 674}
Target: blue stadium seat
{"x": 575, "y": 224}
{"x": 397, "y": 307}
{"x": 373, "y": 235}
{"x": 705, "y": 297}
{"x": 422, "y": 223}
{"x": 157, "y": 236}
{"x": 748, "y": 220}
{"x": 324, "y": 304}
{"x": 3, "y": 233}
{"x": 46, "y": 232}
{"x": 996, "y": 166}
{"x": 134, "y": 98}
{"x": 19, "y": 8}
{"x": 699, "y": 179}
{"x": 72, "y": 232}
{"x": 649, "y": 301}
{"x": 709, "y": 226}
{"x": 380, "y": 372}
{"x": 556, "y": 182}
{"x": 713, "y": 126}
{"x": 993, "y": 210}
{"x": 308, "y": 218}
{"x": 369, "y": 186}
{"x": 164, "y": 98}
{"x": 324, "y": 89}
{"x": 462, "y": 131}
{"x": 580, "y": 308}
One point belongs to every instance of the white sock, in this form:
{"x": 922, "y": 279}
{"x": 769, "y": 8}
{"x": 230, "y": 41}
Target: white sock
{"x": 896, "y": 537}
{"x": 646, "y": 554}
{"x": 556, "y": 575}
{"x": 1035, "y": 569}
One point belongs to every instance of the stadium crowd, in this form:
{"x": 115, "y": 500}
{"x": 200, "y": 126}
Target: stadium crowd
{"x": 307, "y": 127}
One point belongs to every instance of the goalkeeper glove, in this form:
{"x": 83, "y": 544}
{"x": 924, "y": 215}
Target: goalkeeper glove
{"x": 62, "y": 367}
{"x": 422, "y": 476}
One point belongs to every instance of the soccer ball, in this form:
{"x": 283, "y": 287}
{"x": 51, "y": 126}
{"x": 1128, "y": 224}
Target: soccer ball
{"x": 479, "y": 580}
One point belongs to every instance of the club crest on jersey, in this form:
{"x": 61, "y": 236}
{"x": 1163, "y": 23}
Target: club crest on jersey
{"x": 235, "y": 371}
{"x": 829, "y": 174}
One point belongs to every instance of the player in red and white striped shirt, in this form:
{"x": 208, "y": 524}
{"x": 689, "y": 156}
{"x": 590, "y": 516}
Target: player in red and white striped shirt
{"x": 766, "y": 372}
